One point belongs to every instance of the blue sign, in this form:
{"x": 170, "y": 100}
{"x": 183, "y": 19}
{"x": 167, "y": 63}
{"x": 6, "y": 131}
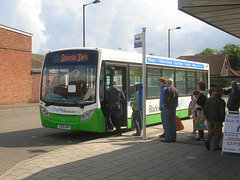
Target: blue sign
{"x": 171, "y": 62}
{"x": 137, "y": 44}
{"x": 137, "y": 40}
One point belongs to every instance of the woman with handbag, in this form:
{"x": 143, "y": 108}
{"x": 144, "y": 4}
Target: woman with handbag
{"x": 198, "y": 111}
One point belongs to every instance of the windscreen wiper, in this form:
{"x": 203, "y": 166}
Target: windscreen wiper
{"x": 49, "y": 103}
{"x": 78, "y": 104}
{"x": 73, "y": 100}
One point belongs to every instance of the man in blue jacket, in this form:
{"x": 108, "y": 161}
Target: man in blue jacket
{"x": 170, "y": 103}
{"x": 162, "y": 84}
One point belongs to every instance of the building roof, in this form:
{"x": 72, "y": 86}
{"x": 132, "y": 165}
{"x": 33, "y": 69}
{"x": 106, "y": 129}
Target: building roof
{"x": 15, "y": 30}
{"x": 222, "y": 14}
{"x": 37, "y": 61}
{"x": 233, "y": 73}
{"x": 217, "y": 63}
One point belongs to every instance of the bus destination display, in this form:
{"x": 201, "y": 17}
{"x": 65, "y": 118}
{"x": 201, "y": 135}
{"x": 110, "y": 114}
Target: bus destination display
{"x": 67, "y": 57}
{"x": 74, "y": 57}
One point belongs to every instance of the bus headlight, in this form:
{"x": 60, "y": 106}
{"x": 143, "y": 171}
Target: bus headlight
{"x": 45, "y": 112}
{"x": 87, "y": 115}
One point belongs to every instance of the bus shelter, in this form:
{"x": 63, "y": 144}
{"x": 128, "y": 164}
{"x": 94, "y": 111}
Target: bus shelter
{"x": 222, "y": 14}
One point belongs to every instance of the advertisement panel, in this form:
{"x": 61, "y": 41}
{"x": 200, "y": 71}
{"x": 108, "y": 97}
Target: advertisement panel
{"x": 231, "y": 136}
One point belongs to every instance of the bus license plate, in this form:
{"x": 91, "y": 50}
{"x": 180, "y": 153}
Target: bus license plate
{"x": 60, "y": 126}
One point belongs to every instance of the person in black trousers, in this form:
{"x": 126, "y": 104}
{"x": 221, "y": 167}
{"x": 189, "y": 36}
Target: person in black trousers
{"x": 113, "y": 98}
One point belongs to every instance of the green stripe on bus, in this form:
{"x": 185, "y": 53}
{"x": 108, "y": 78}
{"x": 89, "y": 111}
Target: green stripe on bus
{"x": 95, "y": 124}
{"x": 156, "y": 118}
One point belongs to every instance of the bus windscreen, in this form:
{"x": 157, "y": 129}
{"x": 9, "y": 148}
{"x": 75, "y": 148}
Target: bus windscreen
{"x": 69, "y": 78}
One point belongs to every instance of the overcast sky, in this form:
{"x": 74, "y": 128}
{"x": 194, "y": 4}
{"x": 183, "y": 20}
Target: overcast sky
{"x": 111, "y": 24}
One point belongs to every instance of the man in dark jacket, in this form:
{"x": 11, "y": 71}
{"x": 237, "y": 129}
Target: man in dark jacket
{"x": 214, "y": 111}
{"x": 113, "y": 98}
{"x": 170, "y": 103}
{"x": 234, "y": 98}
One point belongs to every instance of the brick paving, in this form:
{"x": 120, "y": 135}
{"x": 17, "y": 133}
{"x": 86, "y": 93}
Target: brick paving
{"x": 129, "y": 157}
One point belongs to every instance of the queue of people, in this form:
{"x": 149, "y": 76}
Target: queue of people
{"x": 214, "y": 110}
{"x": 212, "y": 107}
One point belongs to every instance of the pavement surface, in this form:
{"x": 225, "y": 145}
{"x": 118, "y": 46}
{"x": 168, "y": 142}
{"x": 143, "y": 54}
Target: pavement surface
{"x": 129, "y": 157}
{"x": 18, "y": 107}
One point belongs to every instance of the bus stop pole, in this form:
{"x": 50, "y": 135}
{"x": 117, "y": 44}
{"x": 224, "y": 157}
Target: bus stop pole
{"x": 144, "y": 82}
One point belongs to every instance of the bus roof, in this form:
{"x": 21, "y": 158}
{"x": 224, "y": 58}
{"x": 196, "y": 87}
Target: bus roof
{"x": 117, "y": 55}
{"x": 132, "y": 57}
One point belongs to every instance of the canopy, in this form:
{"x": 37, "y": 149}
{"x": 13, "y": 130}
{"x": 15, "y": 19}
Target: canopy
{"x": 222, "y": 14}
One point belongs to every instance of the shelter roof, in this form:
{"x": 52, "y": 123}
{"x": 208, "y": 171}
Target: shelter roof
{"x": 222, "y": 14}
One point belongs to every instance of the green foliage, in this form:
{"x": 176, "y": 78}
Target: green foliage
{"x": 233, "y": 52}
{"x": 207, "y": 51}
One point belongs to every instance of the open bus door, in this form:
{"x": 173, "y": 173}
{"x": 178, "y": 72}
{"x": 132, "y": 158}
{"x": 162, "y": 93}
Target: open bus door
{"x": 118, "y": 74}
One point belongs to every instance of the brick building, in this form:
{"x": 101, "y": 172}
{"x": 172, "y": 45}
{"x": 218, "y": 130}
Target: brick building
{"x": 15, "y": 66}
{"x": 37, "y": 61}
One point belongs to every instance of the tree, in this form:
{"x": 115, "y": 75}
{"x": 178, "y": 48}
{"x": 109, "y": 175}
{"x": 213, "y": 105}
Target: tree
{"x": 233, "y": 52}
{"x": 207, "y": 51}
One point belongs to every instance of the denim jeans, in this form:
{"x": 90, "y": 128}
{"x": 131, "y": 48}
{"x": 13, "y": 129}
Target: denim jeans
{"x": 163, "y": 117}
{"x": 137, "y": 120}
{"x": 170, "y": 124}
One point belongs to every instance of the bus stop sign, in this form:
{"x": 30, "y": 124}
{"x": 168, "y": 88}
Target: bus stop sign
{"x": 138, "y": 40}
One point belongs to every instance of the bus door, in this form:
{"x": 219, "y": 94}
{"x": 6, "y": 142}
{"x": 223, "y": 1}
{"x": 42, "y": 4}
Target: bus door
{"x": 118, "y": 74}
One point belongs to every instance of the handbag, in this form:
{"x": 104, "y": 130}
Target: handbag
{"x": 200, "y": 123}
{"x": 179, "y": 125}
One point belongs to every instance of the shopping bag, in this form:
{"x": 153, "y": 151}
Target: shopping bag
{"x": 179, "y": 125}
{"x": 200, "y": 123}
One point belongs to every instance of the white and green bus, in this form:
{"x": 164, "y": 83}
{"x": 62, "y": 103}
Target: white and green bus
{"x": 74, "y": 81}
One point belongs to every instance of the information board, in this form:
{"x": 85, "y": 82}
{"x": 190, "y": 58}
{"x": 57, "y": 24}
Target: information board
{"x": 138, "y": 40}
{"x": 174, "y": 62}
{"x": 231, "y": 136}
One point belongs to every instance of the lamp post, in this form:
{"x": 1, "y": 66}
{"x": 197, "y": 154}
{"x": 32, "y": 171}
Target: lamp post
{"x": 84, "y": 5}
{"x": 169, "y": 39}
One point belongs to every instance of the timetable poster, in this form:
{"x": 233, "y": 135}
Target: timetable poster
{"x": 231, "y": 136}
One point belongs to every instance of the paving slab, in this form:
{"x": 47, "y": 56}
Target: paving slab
{"x": 128, "y": 157}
